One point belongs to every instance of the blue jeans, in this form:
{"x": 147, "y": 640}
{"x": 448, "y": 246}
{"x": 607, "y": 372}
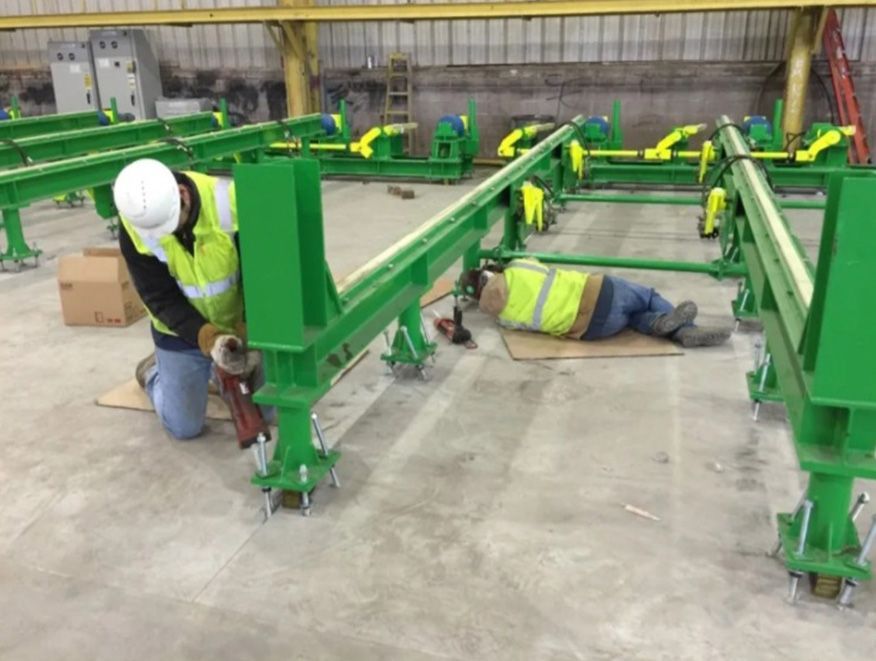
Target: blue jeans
{"x": 177, "y": 386}
{"x": 632, "y": 306}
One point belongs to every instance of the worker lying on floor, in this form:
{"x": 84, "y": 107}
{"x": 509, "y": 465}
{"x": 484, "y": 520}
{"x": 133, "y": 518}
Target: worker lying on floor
{"x": 528, "y": 295}
{"x": 179, "y": 239}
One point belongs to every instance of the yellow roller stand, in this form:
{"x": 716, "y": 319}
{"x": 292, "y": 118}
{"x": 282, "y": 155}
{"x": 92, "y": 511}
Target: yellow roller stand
{"x": 663, "y": 150}
{"x": 827, "y": 139}
{"x": 715, "y": 205}
{"x": 533, "y": 205}
{"x": 508, "y": 148}
{"x": 576, "y": 154}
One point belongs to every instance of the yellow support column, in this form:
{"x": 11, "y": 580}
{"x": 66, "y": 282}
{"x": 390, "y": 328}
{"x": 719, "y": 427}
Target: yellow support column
{"x": 298, "y": 101}
{"x": 311, "y": 39}
{"x": 803, "y": 43}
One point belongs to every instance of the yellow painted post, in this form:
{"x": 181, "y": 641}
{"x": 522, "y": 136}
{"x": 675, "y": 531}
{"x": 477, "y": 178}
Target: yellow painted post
{"x": 311, "y": 39}
{"x": 295, "y": 65}
{"x": 803, "y": 43}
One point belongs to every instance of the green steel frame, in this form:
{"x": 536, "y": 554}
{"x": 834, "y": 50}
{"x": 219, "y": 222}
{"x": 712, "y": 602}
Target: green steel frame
{"x": 451, "y": 155}
{"x": 819, "y": 354}
{"x": 604, "y": 171}
{"x": 25, "y": 127}
{"x": 55, "y": 146}
{"x": 22, "y": 186}
{"x": 312, "y": 328}
{"x": 820, "y": 359}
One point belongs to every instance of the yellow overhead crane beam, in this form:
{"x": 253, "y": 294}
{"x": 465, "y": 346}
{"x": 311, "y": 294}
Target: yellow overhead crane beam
{"x": 400, "y": 12}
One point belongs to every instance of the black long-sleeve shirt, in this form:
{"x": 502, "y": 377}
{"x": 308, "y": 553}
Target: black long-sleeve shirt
{"x": 158, "y": 288}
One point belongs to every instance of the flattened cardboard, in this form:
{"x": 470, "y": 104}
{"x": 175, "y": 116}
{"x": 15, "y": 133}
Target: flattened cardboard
{"x": 96, "y": 289}
{"x": 441, "y": 288}
{"x": 130, "y": 395}
{"x": 523, "y": 345}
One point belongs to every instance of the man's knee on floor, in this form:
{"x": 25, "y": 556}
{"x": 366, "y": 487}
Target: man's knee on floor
{"x": 183, "y": 430}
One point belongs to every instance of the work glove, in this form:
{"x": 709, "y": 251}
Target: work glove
{"x": 253, "y": 362}
{"x": 229, "y": 354}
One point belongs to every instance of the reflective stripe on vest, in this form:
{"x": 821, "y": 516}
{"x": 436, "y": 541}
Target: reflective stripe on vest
{"x": 155, "y": 248}
{"x": 194, "y": 291}
{"x": 211, "y": 288}
{"x": 223, "y": 204}
{"x": 542, "y": 299}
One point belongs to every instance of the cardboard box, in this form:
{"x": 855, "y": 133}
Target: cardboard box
{"x": 96, "y": 289}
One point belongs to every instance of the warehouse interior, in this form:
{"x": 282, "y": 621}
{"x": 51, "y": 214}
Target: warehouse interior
{"x": 401, "y": 473}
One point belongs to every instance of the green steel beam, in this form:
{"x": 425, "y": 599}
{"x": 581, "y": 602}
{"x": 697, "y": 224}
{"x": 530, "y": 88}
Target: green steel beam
{"x": 54, "y": 146}
{"x": 683, "y": 174}
{"x": 26, "y": 127}
{"x": 23, "y": 186}
{"x": 717, "y": 268}
{"x": 820, "y": 352}
{"x": 310, "y": 329}
{"x": 680, "y": 200}
{"x": 403, "y": 167}
{"x": 633, "y": 198}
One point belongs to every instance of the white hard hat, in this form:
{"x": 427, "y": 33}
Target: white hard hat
{"x": 147, "y": 196}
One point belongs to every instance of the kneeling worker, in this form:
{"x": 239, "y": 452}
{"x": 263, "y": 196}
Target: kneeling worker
{"x": 527, "y": 295}
{"x": 179, "y": 239}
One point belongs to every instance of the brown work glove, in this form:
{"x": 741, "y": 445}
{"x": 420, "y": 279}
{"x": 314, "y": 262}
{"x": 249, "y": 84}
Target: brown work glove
{"x": 208, "y": 333}
{"x": 207, "y": 338}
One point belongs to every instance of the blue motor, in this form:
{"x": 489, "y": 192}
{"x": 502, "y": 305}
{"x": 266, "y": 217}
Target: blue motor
{"x": 757, "y": 120}
{"x": 329, "y": 125}
{"x": 4, "y": 114}
{"x": 455, "y": 122}
{"x": 600, "y": 123}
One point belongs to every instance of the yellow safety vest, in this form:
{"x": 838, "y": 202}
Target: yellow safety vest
{"x": 210, "y": 278}
{"x": 540, "y": 298}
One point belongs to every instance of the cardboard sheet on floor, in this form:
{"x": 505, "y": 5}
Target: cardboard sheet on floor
{"x": 130, "y": 395}
{"x": 441, "y": 288}
{"x": 523, "y": 345}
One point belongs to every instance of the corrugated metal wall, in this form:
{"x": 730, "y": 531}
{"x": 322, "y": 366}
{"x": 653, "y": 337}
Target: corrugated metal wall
{"x": 245, "y": 48}
{"x": 730, "y": 36}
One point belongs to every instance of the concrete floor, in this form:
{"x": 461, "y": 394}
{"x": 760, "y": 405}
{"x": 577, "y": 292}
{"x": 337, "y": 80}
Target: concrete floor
{"x": 481, "y": 515}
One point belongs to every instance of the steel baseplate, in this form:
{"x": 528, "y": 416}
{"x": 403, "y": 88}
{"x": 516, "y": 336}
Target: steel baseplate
{"x": 840, "y": 561}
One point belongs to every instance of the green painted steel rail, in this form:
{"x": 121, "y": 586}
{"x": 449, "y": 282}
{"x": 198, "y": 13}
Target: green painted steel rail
{"x": 22, "y": 186}
{"x": 680, "y": 200}
{"x": 54, "y": 146}
{"x": 820, "y": 354}
{"x": 717, "y": 268}
{"x": 26, "y": 127}
{"x": 310, "y": 329}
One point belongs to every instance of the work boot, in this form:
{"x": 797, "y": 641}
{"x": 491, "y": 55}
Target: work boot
{"x": 698, "y": 336}
{"x": 143, "y": 368}
{"x": 683, "y": 313}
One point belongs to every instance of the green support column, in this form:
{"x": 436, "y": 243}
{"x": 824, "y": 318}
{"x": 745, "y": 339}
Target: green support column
{"x": 410, "y": 345}
{"x": 17, "y": 249}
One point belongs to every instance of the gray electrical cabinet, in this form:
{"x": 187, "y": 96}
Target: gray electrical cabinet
{"x": 73, "y": 76}
{"x": 126, "y": 69}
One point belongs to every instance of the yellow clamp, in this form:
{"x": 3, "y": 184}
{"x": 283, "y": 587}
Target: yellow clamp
{"x": 715, "y": 204}
{"x": 533, "y": 205}
{"x": 663, "y": 150}
{"x": 508, "y": 149}
{"x": 827, "y": 139}
{"x": 576, "y": 154}
{"x": 707, "y": 155}
{"x": 363, "y": 147}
